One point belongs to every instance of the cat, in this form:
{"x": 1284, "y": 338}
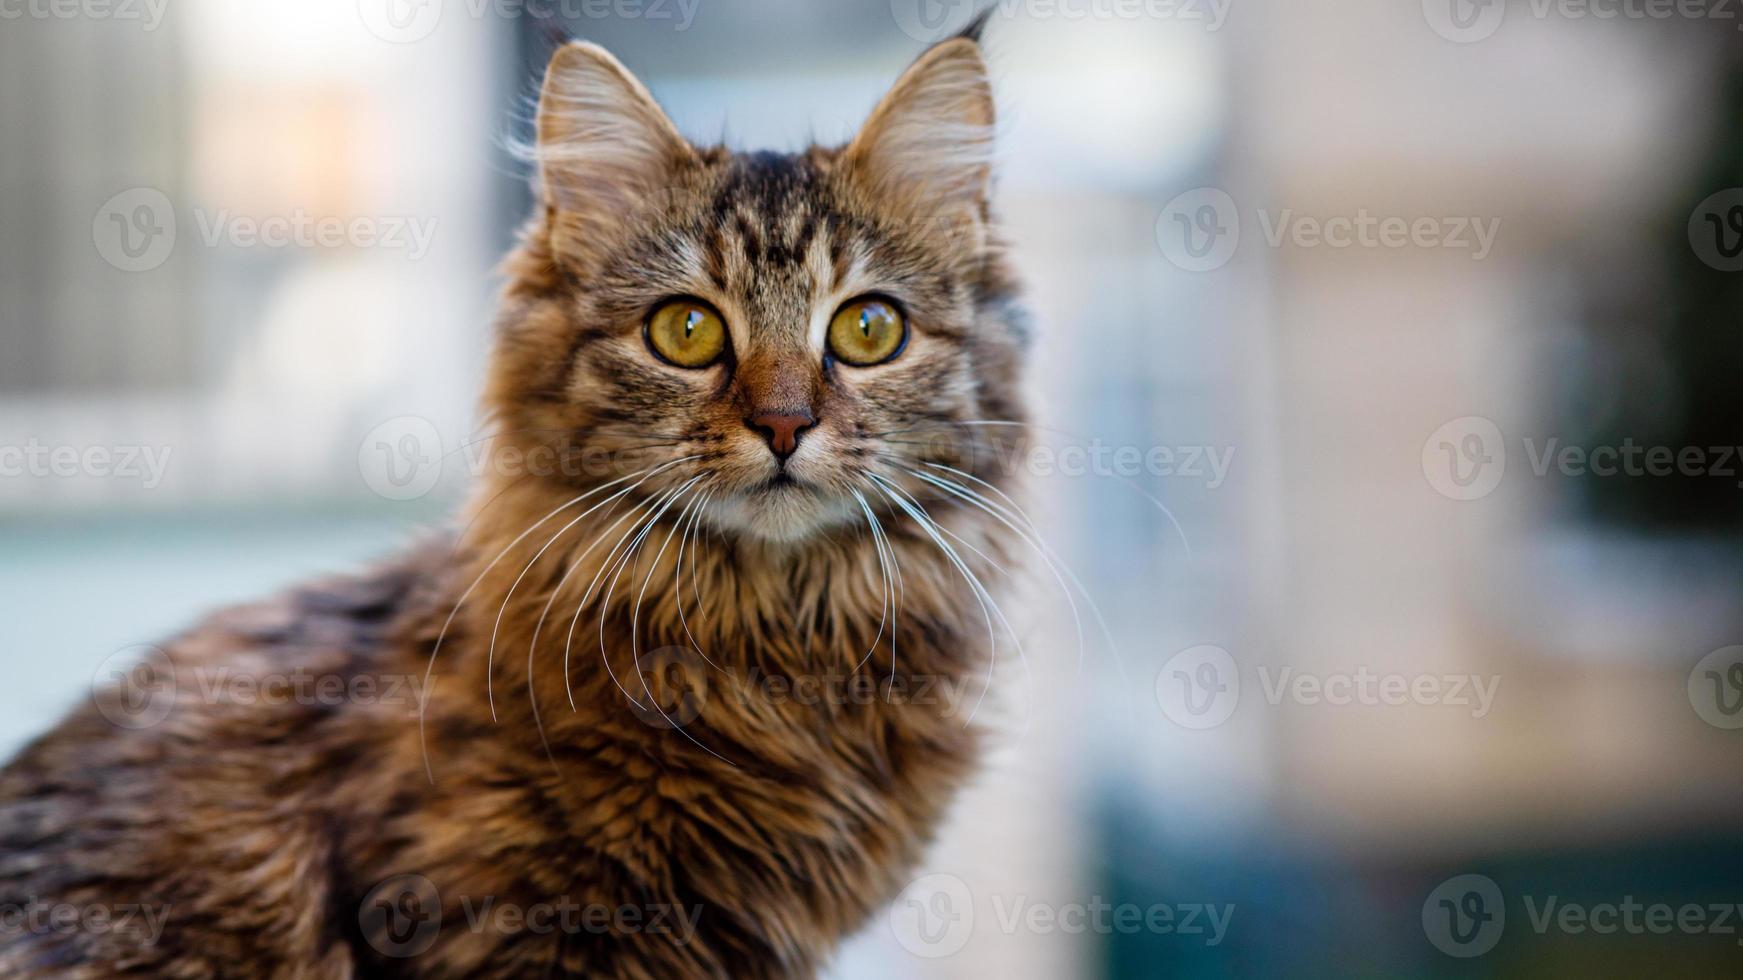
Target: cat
{"x": 749, "y": 394}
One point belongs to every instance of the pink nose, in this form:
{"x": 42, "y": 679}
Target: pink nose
{"x": 782, "y": 429}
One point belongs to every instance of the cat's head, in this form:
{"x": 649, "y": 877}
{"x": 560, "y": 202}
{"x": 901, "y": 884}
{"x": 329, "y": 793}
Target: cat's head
{"x": 779, "y": 331}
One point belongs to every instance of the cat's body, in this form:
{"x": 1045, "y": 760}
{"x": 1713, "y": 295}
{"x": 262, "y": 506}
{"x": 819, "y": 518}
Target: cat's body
{"x": 667, "y": 715}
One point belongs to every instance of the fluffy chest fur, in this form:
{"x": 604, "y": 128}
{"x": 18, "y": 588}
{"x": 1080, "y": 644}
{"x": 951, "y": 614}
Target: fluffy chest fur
{"x": 775, "y": 763}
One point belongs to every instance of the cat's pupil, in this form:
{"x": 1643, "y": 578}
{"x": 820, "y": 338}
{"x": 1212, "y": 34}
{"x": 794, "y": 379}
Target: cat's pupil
{"x": 690, "y": 323}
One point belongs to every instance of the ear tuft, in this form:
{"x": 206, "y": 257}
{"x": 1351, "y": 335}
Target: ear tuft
{"x": 977, "y": 26}
{"x": 929, "y": 143}
{"x": 605, "y": 148}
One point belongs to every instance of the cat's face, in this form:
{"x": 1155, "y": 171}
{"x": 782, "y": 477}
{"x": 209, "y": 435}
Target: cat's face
{"x": 780, "y": 332}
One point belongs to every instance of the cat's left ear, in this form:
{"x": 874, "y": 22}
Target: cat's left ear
{"x": 929, "y": 143}
{"x": 605, "y": 148}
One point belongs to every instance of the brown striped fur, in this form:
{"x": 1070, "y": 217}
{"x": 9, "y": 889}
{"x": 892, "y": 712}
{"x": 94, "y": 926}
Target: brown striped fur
{"x": 535, "y": 768}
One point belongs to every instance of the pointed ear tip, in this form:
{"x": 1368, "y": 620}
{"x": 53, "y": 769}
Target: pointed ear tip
{"x": 957, "y": 47}
{"x": 574, "y": 55}
{"x": 958, "y": 53}
{"x": 976, "y": 26}
{"x": 963, "y": 56}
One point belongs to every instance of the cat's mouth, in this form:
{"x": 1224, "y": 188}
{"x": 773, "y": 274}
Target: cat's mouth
{"x": 782, "y": 506}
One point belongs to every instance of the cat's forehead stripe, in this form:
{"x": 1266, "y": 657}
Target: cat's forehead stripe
{"x": 773, "y": 204}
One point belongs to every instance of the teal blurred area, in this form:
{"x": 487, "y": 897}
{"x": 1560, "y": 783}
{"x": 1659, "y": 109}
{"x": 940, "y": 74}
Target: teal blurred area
{"x": 80, "y": 589}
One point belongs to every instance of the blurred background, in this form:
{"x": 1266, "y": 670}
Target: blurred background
{"x": 1408, "y": 332}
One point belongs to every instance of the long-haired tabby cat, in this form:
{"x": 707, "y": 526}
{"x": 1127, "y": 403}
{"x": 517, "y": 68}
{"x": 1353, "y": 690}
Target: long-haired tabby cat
{"x": 745, "y": 374}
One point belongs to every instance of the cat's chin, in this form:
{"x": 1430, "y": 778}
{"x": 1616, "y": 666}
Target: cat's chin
{"x": 783, "y": 511}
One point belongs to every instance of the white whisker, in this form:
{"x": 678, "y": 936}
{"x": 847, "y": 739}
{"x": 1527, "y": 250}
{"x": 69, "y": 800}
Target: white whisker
{"x": 1055, "y": 565}
{"x": 635, "y": 657}
{"x": 691, "y": 537}
{"x": 611, "y": 560}
{"x": 917, "y": 512}
{"x": 1140, "y": 491}
{"x": 490, "y": 657}
{"x": 556, "y": 591}
{"x": 884, "y": 573}
{"x": 635, "y": 509}
{"x": 429, "y": 669}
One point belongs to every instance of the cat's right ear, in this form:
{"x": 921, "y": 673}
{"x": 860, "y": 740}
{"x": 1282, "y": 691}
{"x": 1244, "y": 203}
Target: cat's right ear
{"x": 605, "y": 148}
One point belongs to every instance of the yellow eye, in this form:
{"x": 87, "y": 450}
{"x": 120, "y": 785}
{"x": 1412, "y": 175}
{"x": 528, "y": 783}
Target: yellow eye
{"x": 867, "y": 331}
{"x": 687, "y": 332}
